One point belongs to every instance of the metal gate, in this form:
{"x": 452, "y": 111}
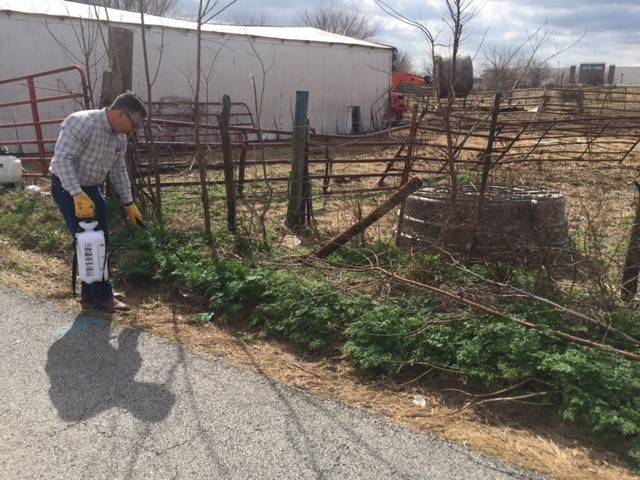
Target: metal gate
{"x": 33, "y": 120}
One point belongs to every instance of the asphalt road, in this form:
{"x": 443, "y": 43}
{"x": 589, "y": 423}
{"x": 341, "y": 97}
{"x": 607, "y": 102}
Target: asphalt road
{"x": 83, "y": 399}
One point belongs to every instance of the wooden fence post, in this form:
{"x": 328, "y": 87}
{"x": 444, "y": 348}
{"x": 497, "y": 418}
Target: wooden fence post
{"x": 227, "y": 158}
{"x": 296, "y": 178}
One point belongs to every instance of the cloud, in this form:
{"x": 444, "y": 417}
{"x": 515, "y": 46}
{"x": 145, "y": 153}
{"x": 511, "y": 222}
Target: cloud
{"x": 612, "y": 33}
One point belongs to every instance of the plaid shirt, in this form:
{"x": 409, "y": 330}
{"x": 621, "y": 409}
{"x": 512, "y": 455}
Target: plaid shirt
{"x": 87, "y": 151}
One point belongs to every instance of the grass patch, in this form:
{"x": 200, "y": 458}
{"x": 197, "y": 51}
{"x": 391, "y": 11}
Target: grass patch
{"x": 33, "y": 223}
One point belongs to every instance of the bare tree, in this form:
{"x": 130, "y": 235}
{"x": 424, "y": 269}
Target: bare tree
{"x": 539, "y": 71}
{"x": 151, "y": 7}
{"x": 151, "y": 146}
{"x": 459, "y": 15}
{"x": 250, "y": 19}
{"x": 508, "y": 68}
{"x": 87, "y": 35}
{"x": 502, "y": 66}
{"x": 341, "y": 18}
{"x": 258, "y": 99}
{"x": 402, "y": 62}
{"x": 207, "y": 11}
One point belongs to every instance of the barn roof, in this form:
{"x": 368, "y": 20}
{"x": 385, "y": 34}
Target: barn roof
{"x": 61, "y": 8}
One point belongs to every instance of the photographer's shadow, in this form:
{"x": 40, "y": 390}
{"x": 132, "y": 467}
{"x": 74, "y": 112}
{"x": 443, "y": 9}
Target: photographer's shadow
{"x": 89, "y": 373}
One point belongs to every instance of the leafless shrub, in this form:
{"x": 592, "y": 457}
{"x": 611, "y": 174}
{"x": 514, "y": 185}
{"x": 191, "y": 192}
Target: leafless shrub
{"x": 341, "y": 18}
{"x": 402, "y": 62}
{"x": 85, "y": 51}
{"x": 504, "y": 66}
{"x": 250, "y": 19}
{"x": 207, "y": 11}
{"x": 151, "y": 7}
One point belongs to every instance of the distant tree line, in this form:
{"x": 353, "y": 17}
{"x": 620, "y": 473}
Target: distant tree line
{"x": 152, "y": 7}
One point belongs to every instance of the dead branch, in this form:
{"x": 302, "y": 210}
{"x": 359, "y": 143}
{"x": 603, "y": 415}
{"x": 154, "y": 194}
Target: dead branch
{"x": 474, "y": 403}
{"x": 497, "y": 393}
{"x": 426, "y": 364}
{"x": 488, "y": 310}
{"x": 561, "y": 308}
{"x": 400, "y": 194}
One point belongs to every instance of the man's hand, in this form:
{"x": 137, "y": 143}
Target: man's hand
{"x": 133, "y": 214}
{"x": 85, "y": 208}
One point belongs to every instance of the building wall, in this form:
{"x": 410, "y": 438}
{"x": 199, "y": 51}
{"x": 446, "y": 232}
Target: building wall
{"x": 627, "y": 75}
{"x": 336, "y": 76}
{"x": 623, "y": 75}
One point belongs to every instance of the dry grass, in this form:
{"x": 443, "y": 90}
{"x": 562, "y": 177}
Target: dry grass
{"x": 525, "y": 438}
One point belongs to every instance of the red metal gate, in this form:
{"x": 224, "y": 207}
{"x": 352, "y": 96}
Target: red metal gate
{"x": 34, "y": 120}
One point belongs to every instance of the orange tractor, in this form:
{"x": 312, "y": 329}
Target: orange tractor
{"x": 402, "y": 83}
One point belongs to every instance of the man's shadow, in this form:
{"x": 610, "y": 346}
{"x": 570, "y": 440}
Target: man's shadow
{"x": 91, "y": 372}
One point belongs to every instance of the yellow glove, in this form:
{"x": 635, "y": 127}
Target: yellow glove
{"x": 133, "y": 214}
{"x": 85, "y": 208}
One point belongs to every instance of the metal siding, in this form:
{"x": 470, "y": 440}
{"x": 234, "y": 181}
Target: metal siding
{"x": 336, "y": 76}
{"x": 627, "y": 75}
{"x": 61, "y": 8}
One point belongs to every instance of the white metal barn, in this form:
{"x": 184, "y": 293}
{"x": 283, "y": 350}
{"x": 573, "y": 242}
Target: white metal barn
{"x": 339, "y": 72}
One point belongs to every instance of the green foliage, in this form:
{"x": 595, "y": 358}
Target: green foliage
{"x": 596, "y": 389}
{"x": 433, "y": 270}
{"x": 201, "y": 319}
{"x": 33, "y": 223}
{"x": 306, "y": 312}
{"x": 437, "y": 271}
{"x": 380, "y": 252}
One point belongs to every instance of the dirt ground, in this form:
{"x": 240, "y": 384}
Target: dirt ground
{"x": 521, "y": 436}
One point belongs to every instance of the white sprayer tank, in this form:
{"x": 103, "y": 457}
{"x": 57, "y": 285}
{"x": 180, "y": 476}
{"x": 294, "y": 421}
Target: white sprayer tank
{"x": 10, "y": 170}
{"x": 91, "y": 251}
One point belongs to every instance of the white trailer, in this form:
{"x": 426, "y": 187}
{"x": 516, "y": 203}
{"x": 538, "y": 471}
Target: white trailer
{"x": 341, "y": 74}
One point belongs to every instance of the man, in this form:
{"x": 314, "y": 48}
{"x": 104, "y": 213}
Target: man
{"x": 90, "y": 146}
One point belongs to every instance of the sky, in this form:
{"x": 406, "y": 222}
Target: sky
{"x": 605, "y": 31}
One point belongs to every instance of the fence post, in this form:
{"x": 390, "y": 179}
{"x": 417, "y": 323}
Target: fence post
{"x": 296, "y": 178}
{"x": 227, "y": 159}
{"x": 37, "y": 125}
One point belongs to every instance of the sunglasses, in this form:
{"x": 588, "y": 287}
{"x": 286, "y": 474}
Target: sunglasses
{"x": 134, "y": 125}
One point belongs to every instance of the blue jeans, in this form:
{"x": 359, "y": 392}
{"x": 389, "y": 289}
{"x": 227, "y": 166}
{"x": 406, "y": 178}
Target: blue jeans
{"x": 96, "y": 292}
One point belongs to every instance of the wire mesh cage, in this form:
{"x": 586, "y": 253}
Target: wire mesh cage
{"x": 509, "y": 222}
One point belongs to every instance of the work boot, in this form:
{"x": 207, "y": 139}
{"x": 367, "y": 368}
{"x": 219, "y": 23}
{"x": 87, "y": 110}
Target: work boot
{"x": 113, "y": 305}
{"x": 118, "y": 296}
